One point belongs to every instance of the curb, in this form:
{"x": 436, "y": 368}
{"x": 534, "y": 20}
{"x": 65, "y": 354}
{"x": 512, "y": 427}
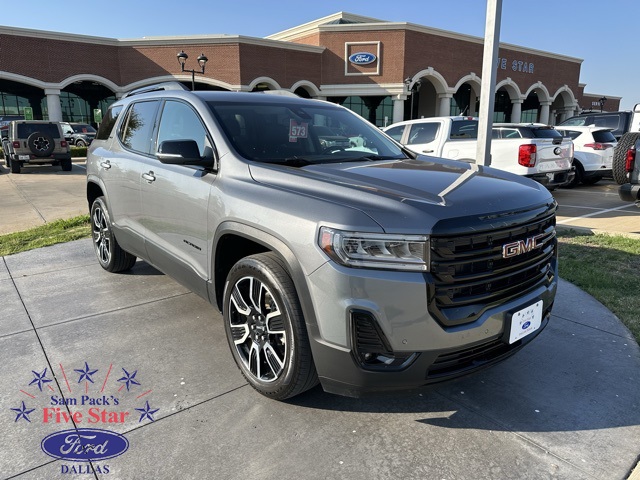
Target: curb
{"x": 595, "y": 231}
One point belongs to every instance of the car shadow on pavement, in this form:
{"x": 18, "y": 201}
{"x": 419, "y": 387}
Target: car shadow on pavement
{"x": 568, "y": 379}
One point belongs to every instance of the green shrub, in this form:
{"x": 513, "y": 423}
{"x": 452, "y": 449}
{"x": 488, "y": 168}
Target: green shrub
{"x": 78, "y": 152}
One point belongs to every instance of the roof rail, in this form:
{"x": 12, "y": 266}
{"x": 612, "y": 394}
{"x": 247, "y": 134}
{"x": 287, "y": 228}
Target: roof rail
{"x": 281, "y": 92}
{"x": 156, "y": 88}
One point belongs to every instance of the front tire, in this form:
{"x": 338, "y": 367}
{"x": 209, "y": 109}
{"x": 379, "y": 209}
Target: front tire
{"x": 266, "y": 329}
{"x": 109, "y": 253}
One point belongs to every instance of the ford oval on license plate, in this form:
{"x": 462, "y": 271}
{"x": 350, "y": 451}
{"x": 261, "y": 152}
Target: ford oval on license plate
{"x": 525, "y": 321}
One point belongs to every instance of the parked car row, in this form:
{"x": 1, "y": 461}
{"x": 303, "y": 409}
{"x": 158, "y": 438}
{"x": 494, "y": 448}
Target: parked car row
{"x": 554, "y": 157}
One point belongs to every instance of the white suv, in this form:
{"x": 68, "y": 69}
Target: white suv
{"x": 592, "y": 153}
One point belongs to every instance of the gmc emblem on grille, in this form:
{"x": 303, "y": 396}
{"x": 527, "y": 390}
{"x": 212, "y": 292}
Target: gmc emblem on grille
{"x": 521, "y": 246}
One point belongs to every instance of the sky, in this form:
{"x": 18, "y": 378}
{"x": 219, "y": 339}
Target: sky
{"x": 604, "y": 34}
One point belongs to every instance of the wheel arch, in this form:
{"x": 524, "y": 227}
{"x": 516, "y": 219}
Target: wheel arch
{"x": 234, "y": 241}
{"x": 94, "y": 190}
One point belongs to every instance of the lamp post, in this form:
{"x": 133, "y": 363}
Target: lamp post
{"x": 202, "y": 60}
{"x": 602, "y": 101}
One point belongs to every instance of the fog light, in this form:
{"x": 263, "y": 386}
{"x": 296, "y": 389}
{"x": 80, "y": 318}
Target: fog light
{"x": 371, "y": 348}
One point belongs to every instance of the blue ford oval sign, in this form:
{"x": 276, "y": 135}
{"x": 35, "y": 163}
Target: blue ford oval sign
{"x": 84, "y": 444}
{"x": 526, "y": 325}
{"x": 362, "y": 58}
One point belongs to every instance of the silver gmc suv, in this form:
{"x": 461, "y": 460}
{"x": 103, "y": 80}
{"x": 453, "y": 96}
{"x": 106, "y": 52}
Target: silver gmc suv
{"x": 359, "y": 265}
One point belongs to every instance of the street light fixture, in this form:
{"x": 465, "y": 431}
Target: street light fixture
{"x": 602, "y": 101}
{"x": 202, "y": 60}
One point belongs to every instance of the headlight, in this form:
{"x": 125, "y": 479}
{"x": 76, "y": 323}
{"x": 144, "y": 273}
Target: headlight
{"x": 376, "y": 250}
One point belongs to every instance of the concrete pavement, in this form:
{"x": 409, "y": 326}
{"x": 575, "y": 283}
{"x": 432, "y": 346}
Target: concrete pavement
{"x": 40, "y": 194}
{"x": 565, "y": 407}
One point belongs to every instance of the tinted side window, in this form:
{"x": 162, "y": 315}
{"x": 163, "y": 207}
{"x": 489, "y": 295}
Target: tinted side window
{"x": 396, "y": 132}
{"x": 180, "y": 122}
{"x": 137, "y": 127}
{"x": 423, "y": 133}
{"x": 108, "y": 122}
{"x": 575, "y": 121}
{"x": 570, "y": 133}
{"x": 464, "y": 129}
{"x": 607, "y": 121}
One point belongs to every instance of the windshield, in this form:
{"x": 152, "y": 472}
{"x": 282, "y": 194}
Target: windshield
{"x": 301, "y": 134}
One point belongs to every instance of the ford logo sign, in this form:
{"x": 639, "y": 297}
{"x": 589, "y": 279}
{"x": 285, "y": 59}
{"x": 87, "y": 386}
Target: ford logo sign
{"x": 526, "y": 325}
{"x": 362, "y": 58}
{"x": 84, "y": 444}
{"x": 557, "y": 150}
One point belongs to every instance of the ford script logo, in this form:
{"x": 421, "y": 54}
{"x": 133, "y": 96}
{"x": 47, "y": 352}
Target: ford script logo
{"x": 526, "y": 325}
{"x": 362, "y": 58}
{"x": 84, "y": 444}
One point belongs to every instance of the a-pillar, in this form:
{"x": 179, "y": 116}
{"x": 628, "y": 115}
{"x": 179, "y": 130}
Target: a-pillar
{"x": 398, "y": 108}
{"x": 516, "y": 110}
{"x": 444, "y": 109}
{"x": 53, "y": 104}
{"x": 544, "y": 112}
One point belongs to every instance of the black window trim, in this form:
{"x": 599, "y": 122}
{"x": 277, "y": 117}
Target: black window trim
{"x": 124, "y": 122}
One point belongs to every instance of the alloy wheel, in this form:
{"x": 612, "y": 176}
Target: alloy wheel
{"x": 258, "y": 329}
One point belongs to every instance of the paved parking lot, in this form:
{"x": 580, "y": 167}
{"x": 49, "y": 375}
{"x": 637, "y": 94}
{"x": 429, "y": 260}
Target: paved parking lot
{"x": 141, "y": 347}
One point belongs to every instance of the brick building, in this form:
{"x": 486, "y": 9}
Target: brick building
{"x": 385, "y": 71}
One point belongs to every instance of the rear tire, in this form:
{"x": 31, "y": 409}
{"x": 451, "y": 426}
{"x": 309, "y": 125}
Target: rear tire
{"x": 66, "y": 165}
{"x": 110, "y": 256}
{"x": 618, "y": 167}
{"x": 591, "y": 180}
{"x": 15, "y": 165}
{"x": 579, "y": 176}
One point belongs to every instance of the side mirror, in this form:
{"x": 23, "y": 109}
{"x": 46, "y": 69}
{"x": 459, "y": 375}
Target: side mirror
{"x": 182, "y": 152}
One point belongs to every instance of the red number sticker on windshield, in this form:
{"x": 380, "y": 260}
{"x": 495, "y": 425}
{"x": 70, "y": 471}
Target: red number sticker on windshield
{"x": 297, "y": 130}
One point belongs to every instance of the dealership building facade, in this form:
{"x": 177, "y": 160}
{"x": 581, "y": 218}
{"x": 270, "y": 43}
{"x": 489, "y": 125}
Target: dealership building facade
{"x": 385, "y": 71}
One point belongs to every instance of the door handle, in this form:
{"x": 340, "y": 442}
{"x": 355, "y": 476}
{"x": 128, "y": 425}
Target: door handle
{"x": 427, "y": 151}
{"x": 149, "y": 177}
{"x": 106, "y": 165}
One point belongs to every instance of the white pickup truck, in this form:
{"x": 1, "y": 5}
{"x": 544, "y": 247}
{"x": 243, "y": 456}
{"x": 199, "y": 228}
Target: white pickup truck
{"x": 531, "y": 150}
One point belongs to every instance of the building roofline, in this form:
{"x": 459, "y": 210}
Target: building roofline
{"x": 371, "y": 24}
{"x": 214, "y": 39}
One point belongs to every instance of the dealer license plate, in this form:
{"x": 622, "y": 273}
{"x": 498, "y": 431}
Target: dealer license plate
{"x": 23, "y": 157}
{"x": 525, "y": 321}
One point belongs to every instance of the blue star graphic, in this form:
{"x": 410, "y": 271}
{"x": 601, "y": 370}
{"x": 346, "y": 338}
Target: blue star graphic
{"x": 85, "y": 374}
{"x": 40, "y": 378}
{"x": 147, "y": 412}
{"x": 23, "y": 413}
{"x": 129, "y": 379}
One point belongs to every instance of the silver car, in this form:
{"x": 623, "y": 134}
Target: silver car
{"x": 363, "y": 266}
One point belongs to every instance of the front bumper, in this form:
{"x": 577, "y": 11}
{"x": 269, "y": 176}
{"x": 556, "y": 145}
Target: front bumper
{"x": 398, "y": 304}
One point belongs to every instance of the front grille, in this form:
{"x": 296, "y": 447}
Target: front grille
{"x": 471, "y": 274}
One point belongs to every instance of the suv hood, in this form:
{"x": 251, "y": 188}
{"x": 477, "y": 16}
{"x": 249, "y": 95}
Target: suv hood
{"x": 408, "y": 195}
